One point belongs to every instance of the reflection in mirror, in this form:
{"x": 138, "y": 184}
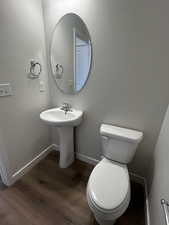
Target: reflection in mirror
{"x": 82, "y": 60}
{"x": 70, "y": 54}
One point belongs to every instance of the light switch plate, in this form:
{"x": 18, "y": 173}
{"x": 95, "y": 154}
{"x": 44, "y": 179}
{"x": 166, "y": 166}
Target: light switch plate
{"x": 42, "y": 86}
{"x": 5, "y": 89}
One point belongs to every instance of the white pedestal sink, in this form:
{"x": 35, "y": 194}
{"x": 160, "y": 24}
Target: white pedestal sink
{"x": 65, "y": 122}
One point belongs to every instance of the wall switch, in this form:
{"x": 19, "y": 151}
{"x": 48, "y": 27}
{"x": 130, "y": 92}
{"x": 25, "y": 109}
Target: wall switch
{"x": 5, "y": 89}
{"x": 42, "y": 86}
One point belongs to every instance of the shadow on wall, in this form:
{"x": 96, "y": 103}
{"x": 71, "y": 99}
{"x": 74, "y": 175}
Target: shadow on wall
{"x": 158, "y": 181}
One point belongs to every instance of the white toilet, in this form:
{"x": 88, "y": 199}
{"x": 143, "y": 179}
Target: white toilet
{"x": 108, "y": 189}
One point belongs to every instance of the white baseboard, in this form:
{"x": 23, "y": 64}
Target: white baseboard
{"x": 86, "y": 159}
{"x": 79, "y": 156}
{"x": 147, "y": 207}
{"x": 55, "y": 147}
{"x": 29, "y": 165}
{"x": 141, "y": 180}
{"x": 137, "y": 178}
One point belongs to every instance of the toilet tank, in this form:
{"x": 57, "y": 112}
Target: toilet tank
{"x": 119, "y": 144}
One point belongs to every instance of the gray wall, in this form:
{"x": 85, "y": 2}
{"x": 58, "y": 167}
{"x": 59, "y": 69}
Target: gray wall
{"x": 22, "y": 134}
{"x": 159, "y": 174}
{"x": 128, "y": 85}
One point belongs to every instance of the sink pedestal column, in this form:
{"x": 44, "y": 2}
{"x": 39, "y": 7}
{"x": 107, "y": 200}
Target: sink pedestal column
{"x": 66, "y": 146}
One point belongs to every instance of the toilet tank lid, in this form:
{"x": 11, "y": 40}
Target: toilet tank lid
{"x": 121, "y": 133}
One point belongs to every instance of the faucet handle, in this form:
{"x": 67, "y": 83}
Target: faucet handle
{"x": 65, "y": 104}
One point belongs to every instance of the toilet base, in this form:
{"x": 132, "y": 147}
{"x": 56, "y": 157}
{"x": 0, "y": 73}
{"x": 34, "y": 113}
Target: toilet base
{"x": 104, "y": 222}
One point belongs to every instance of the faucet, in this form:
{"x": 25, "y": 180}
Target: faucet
{"x": 66, "y": 107}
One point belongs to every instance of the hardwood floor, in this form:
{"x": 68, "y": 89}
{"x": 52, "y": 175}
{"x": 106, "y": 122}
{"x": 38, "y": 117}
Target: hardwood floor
{"x": 48, "y": 195}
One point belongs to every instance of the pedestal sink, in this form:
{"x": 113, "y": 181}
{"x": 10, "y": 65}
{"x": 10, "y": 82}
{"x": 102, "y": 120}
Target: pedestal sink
{"x": 65, "y": 122}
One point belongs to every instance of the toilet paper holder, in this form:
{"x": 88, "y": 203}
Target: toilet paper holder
{"x": 165, "y": 206}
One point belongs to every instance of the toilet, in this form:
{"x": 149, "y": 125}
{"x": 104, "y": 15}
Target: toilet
{"x": 108, "y": 189}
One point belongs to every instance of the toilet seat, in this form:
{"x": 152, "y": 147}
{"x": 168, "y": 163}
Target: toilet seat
{"x": 108, "y": 188}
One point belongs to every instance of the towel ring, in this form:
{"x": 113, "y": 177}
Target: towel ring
{"x": 33, "y": 65}
{"x": 58, "y": 71}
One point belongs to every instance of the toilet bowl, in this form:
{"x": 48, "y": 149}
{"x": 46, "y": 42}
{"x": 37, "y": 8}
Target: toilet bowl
{"x": 108, "y": 189}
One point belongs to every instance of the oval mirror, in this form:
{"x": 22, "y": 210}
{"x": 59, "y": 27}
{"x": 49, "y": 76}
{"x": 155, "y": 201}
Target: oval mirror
{"x": 70, "y": 54}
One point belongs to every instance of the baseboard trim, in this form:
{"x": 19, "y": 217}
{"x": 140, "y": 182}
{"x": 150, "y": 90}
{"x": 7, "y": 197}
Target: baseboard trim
{"x": 79, "y": 156}
{"x": 147, "y": 206}
{"x": 55, "y": 147}
{"x": 29, "y": 165}
{"x": 141, "y": 180}
{"x": 137, "y": 178}
{"x": 86, "y": 159}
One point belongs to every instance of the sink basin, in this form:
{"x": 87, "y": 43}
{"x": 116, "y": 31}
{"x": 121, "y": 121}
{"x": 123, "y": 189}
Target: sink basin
{"x": 64, "y": 123}
{"x": 57, "y": 117}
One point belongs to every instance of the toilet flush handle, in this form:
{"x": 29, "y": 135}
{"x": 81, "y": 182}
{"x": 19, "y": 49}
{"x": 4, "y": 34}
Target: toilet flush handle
{"x": 105, "y": 141}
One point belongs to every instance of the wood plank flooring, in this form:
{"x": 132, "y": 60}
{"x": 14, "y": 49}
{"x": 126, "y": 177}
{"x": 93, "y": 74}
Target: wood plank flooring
{"x": 48, "y": 195}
